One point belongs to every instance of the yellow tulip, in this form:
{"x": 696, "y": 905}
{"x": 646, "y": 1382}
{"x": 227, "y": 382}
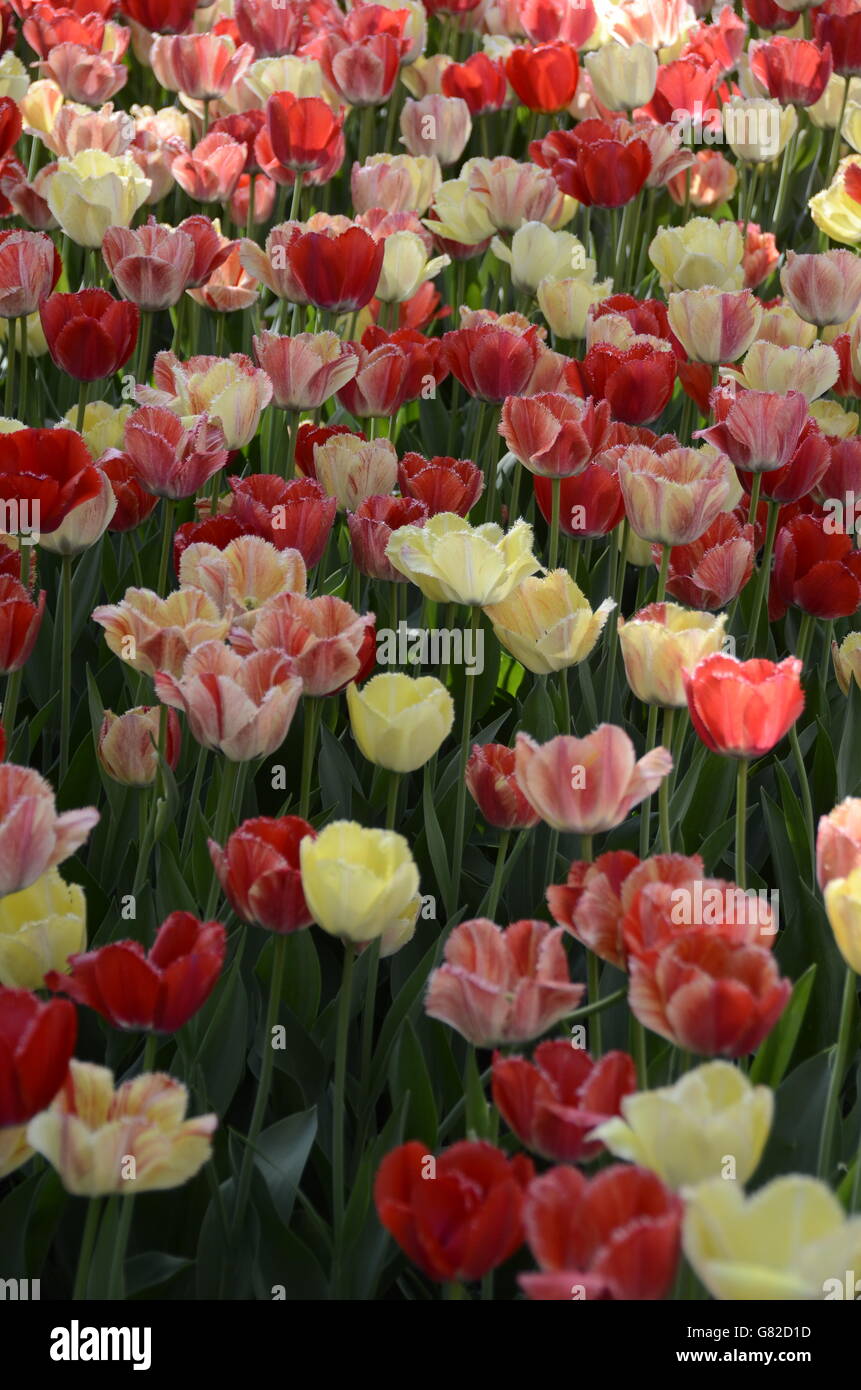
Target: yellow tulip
{"x": 565, "y": 304}
{"x": 547, "y": 624}
{"x": 843, "y": 906}
{"x": 351, "y": 469}
{"x": 847, "y": 660}
{"x": 400, "y": 721}
{"x": 833, "y": 419}
{"x": 462, "y": 215}
{"x": 14, "y": 81}
{"x": 406, "y": 267}
{"x": 536, "y": 252}
{"x": 835, "y": 212}
{"x": 700, "y": 252}
{"x": 40, "y": 927}
{"x": 789, "y": 1241}
{"x": 288, "y": 73}
{"x": 623, "y": 77}
{"x": 125, "y": 1141}
{"x": 771, "y": 367}
{"x": 661, "y": 642}
{"x": 825, "y": 113}
{"x": 95, "y": 191}
{"x": 453, "y": 562}
{"x": 361, "y": 884}
{"x": 39, "y": 106}
{"x": 104, "y": 425}
{"x": 686, "y": 1133}
{"x": 757, "y": 129}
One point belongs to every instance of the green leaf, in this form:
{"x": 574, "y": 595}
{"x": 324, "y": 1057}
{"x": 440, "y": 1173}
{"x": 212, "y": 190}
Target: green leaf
{"x": 152, "y": 1268}
{"x": 849, "y": 753}
{"x": 478, "y": 1110}
{"x": 411, "y": 1076}
{"x": 404, "y": 1001}
{"x": 771, "y": 1062}
{"x": 281, "y": 1153}
{"x": 437, "y": 848}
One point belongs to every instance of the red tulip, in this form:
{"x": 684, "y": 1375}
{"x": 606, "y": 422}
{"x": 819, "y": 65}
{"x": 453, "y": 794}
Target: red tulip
{"x": 217, "y": 530}
{"x": 815, "y": 569}
{"x": 210, "y": 249}
{"x": 480, "y": 82}
{"x": 10, "y": 125}
{"x": 157, "y": 991}
{"x": 493, "y": 786}
{"x": 49, "y": 470}
{"x": 636, "y": 382}
{"x": 243, "y": 127}
{"x": 294, "y": 515}
{"x": 456, "y": 1216}
{"x": 707, "y": 994}
{"x": 170, "y": 459}
{"x": 555, "y": 1101}
{"x": 841, "y": 32}
{"x": 616, "y": 1237}
{"x": 793, "y": 71}
{"x": 591, "y": 503}
{"x": 767, "y": 15}
{"x": 90, "y": 335}
{"x": 545, "y": 20}
{"x": 544, "y": 77}
{"x": 329, "y": 644}
{"x": 307, "y": 439}
{"x": 301, "y": 130}
{"x": 336, "y": 270}
{"x": 441, "y": 484}
{"x": 606, "y": 173}
{"x": 710, "y": 572}
{"x": 743, "y": 708}
{"x": 757, "y": 430}
{"x": 160, "y": 16}
{"x": 363, "y": 72}
{"x": 803, "y": 472}
{"x": 20, "y": 621}
{"x": 210, "y": 172}
{"x": 36, "y": 1045}
{"x": 685, "y": 84}
{"x": 258, "y": 870}
{"x": 554, "y": 435}
{"x": 133, "y": 504}
{"x": 492, "y": 361}
{"x": 371, "y": 526}
{"x": 45, "y": 28}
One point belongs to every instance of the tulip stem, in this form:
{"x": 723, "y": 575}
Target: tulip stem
{"x": 291, "y": 424}
{"x": 142, "y": 360}
{"x": 261, "y": 1100}
{"x": 838, "y": 135}
{"x": 339, "y": 1102}
{"x": 556, "y": 495}
{"x": 309, "y": 746}
{"x": 664, "y": 788}
{"x": 166, "y": 538}
{"x": 460, "y": 814}
{"x": 9, "y": 708}
{"x": 88, "y": 1241}
{"x": 10, "y": 366}
{"x": 764, "y": 572}
{"x": 222, "y": 819}
{"x": 741, "y": 823}
{"x": 785, "y": 172}
{"x": 806, "y": 799}
{"x": 841, "y": 1052}
{"x": 66, "y": 696}
{"x": 663, "y": 573}
{"x": 646, "y": 805}
{"x": 22, "y": 368}
{"x": 496, "y": 885}
{"x": 194, "y": 799}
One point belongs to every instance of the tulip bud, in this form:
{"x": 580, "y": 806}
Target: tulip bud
{"x": 361, "y": 884}
{"x": 399, "y": 721}
{"x": 622, "y": 78}
{"x": 662, "y": 641}
{"x": 352, "y": 469}
{"x": 438, "y": 126}
{"x": 128, "y": 744}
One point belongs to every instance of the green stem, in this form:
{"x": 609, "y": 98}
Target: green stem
{"x": 339, "y": 1104}
{"x": 741, "y": 823}
{"x": 88, "y": 1241}
{"x": 556, "y": 494}
{"x": 142, "y": 360}
{"x": 841, "y": 1053}
{"x": 169, "y": 507}
{"x": 261, "y": 1100}
{"x": 83, "y": 394}
{"x": 222, "y": 821}
{"x": 66, "y": 696}
{"x": 23, "y": 373}
{"x": 664, "y": 788}
{"x": 9, "y": 708}
{"x": 309, "y": 747}
{"x": 10, "y": 367}
{"x": 496, "y": 885}
{"x": 806, "y": 799}
{"x": 763, "y": 575}
{"x": 646, "y": 806}
{"x": 460, "y": 816}
{"x": 194, "y": 799}
{"x": 662, "y": 574}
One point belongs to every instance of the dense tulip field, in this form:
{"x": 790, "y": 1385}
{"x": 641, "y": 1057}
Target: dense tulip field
{"x": 430, "y": 807}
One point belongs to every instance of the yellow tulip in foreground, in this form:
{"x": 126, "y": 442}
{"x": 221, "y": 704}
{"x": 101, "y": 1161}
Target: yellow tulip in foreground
{"x": 125, "y": 1141}
{"x": 95, "y": 191}
{"x": 453, "y": 562}
{"x": 361, "y": 884}
{"x": 40, "y": 927}
{"x": 662, "y": 641}
{"x": 843, "y": 906}
{"x": 399, "y": 721}
{"x": 547, "y": 624}
{"x": 789, "y": 1241}
{"x": 686, "y": 1133}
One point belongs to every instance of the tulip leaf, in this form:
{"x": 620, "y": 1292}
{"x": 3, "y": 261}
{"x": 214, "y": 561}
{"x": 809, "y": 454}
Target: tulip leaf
{"x": 437, "y": 849}
{"x": 280, "y": 1154}
{"x": 536, "y": 713}
{"x": 172, "y": 890}
{"x": 849, "y": 752}
{"x": 478, "y": 1109}
{"x": 771, "y": 1062}
{"x": 800, "y": 1105}
{"x": 401, "y": 1006}
{"x": 152, "y": 1269}
{"x": 221, "y": 1053}
{"x": 410, "y": 1075}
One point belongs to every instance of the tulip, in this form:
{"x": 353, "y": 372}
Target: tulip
{"x": 127, "y": 745}
{"x": 95, "y": 191}
{"x": 439, "y": 126}
{"x": 29, "y": 269}
{"x": 552, "y": 1104}
{"x": 33, "y": 837}
{"x": 622, "y": 78}
{"x": 36, "y": 1043}
{"x": 482, "y": 1191}
{"x": 673, "y": 497}
{"x": 201, "y": 66}
{"x": 743, "y": 708}
{"x": 150, "y": 266}
{"x": 397, "y": 183}
{"x": 230, "y": 391}
{"x": 133, "y": 504}
{"x": 453, "y": 562}
{"x": 241, "y": 706}
{"x": 293, "y": 515}
{"x": 301, "y": 130}
{"x": 440, "y": 485}
{"x": 103, "y": 426}
{"x": 305, "y": 370}
{"x": 85, "y": 524}
{"x": 847, "y": 661}
{"x": 211, "y": 171}
{"x": 771, "y": 367}
{"x": 361, "y": 884}
{"x": 502, "y": 985}
{"x": 242, "y": 576}
{"x": 90, "y": 334}
{"x": 790, "y": 1240}
{"x": 553, "y": 435}
{"x": 352, "y": 469}
{"x": 210, "y": 248}
{"x": 400, "y": 721}
{"x": 685, "y": 1132}
{"x": 156, "y": 634}
{"x": 536, "y": 253}
{"x": 338, "y": 272}
{"x": 712, "y": 325}
{"x": 587, "y": 785}
{"x": 328, "y": 643}
{"x": 492, "y": 784}
{"x": 660, "y": 643}
{"x": 843, "y": 908}
{"x": 604, "y": 172}
{"x": 616, "y": 1237}
{"x": 479, "y": 81}
{"x": 363, "y": 73}
{"x": 815, "y": 569}
{"x": 838, "y": 842}
{"x": 20, "y": 622}
{"x": 258, "y": 870}
{"x": 636, "y": 382}
{"x": 757, "y": 430}
{"x": 371, "y": 527}
{"x": 90, "y": 78}
{"x": 544, "y": 77}
{"x": 793, "y": 71}
{"x": 90, "y": 1123}
{"x": 169, "y": 459}
{"x": 547, "y": 623}
{"x": 40, "y": 927}
{"x": 405, "y": 267}
{"x": 822, "y": 289}
{"x": 701, "y": 252}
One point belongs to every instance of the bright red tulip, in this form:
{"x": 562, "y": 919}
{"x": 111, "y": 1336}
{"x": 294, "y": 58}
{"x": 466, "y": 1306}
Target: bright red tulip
{"x": 258, "y": 869}
{"x": 441, "y": 484}
{"x": 841, "y": 32}
{"x": 554, "y": 435}
{"x": 635, "y": 382}
{"x": 90, "y": 335}
{"x": 743, "y": 708}
{"x": 685, "y": 84}
{"x": 815, "y": 569}
{"x": 294, "y": 515}
{"x": 301, "y": 130}
{"x": 160, "y": 16}
{"x": 36, "y": 1045}
{"x": 710, "y": 572}
{"x": 606, "y": 173}
{"x": 10, "y": 125}
{"x": 793, "y": 71}
{"x": 553, "y": 1102}
{"x": 480, "y": 82}
{"x": 49, "y": 471}
{"x": 20, "y": 621}
{"x": 492, "y": 361}
{"x": 544, "y": 77}
{"x": 590, "y": 504}
{"x": 336, "y": 270}
{"x": 460, "y": 1219}
{"x": 134, "y": 505}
